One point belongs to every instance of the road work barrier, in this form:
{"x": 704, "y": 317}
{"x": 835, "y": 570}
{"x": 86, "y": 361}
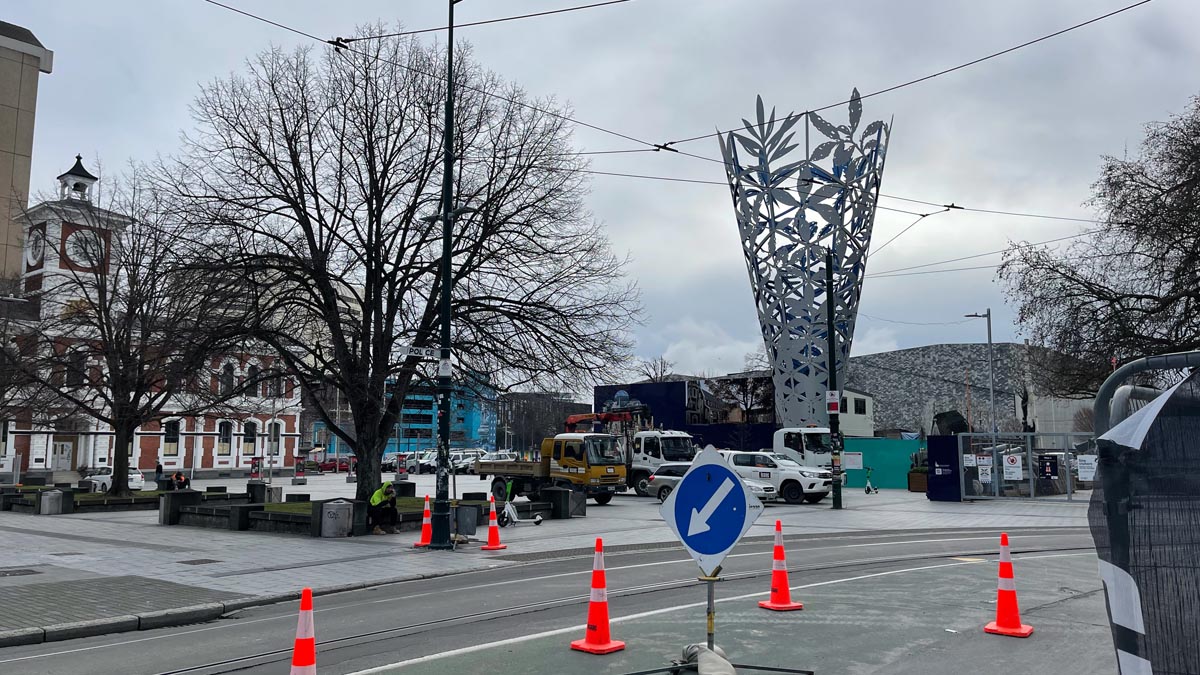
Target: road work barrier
{"x": 781, "y": 593}
{"x": 426, "y": 527}
{"x": 596, "y": 638}
{"x": 304, "y": 653}
{"x": 493, "y": 529}
{"x": 1008, "y": 617}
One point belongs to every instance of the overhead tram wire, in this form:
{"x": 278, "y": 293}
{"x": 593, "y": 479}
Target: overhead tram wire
{"x": 939, "y": 73}
{"x": 486, "y": 21}
{"x": 343, "y": 44}
{"x": 913, "y": 323}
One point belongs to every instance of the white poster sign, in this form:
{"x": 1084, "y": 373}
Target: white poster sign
{"x": 984, "y": 460}
{"x": 1014, "y": 467}
{"x": 1087, "y": 467}
{"x": 985, "y": 474}
{"x": 852, "y": 460}
{"x": 6, "y": 464}
{"x": 968, "y": 459}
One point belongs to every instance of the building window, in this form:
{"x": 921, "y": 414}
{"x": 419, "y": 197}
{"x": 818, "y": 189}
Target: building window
{"x": 224, "y": 438}
{"x": 274, "y": 431}
{"x": 171, "y": 438}
{"x": 76, "y": 368}
{"x": 227, "y": 379}
{"x": 418, "y": 433}
{"x": 249, "y": 438}
{"x": 253, "y": 383}
{"x": 416, "y": 418}
{"x": 860, "y": 406}
{"x": 275, "y": 387}
{"x": 4, "y": 438}
{"x": 460, "y": 420}
{"x": 842, "y": 406}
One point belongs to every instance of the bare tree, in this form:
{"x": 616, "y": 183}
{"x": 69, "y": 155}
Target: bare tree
{"x": 124, "y": 325}
{"x": 1084, "y": 420}
{"x": 751, "y": 394}
{"x": 655, "y": 370}
{"x": 321, "y": 172}
{"x": 1131, "y": 288}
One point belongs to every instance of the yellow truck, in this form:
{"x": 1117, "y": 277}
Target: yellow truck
{"x": 588, "y": 463}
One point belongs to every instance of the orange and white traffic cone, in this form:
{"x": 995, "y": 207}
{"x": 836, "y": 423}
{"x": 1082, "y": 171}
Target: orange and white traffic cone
{"x": 493, "y": 530}
{"x": 304, "y": 654}
{"x": 426, "y": 527}
{"x": 781, "y": 592}
{"x": 596, "y": 639}
{"x": 1008, "y": 617}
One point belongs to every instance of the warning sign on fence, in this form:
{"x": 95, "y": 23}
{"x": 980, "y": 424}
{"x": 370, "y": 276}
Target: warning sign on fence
{"x": 1014, "y": 467}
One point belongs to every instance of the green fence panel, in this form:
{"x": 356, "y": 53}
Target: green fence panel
{"x": 888, "y": 459}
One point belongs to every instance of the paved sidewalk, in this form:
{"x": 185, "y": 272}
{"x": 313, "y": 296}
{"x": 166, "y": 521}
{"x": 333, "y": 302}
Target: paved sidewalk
{"x": 127, "y": 558}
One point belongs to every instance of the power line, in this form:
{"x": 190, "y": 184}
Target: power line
{"x": 948, "y": 269}
{"x": 913, "y": 323}
{"x": 938, "y": 73}
{"x": 482, "y": 23}
{"x": 996, "y": 252}
{"x": 901, "y": 232}
{"x": 341, "y": 44}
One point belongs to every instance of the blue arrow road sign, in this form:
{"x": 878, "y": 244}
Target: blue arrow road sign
{"x": 710, "y": 510}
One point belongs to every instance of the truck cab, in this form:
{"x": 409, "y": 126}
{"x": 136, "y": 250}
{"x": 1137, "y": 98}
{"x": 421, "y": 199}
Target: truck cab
{"x": 652, "y": 449}
{"x": 806, "y": 446}
{"x": 586, "y": 462}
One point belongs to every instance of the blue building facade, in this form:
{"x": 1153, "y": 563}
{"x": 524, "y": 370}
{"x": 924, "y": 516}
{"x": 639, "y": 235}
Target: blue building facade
{"x": 472, "y": 422}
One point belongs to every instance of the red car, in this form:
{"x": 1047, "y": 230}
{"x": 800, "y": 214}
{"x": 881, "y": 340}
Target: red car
{"x": 343, "y": 464}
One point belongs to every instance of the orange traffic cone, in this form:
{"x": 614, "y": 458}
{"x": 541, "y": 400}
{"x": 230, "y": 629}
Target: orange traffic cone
{"x": 1008, "y": 617}
{"x": 493, "y": 530}
{"x": 304, "y": 654}
{"x": 426, "y": 527}
{"x": 596, "y": 639}
{"x": 781, "y": 592}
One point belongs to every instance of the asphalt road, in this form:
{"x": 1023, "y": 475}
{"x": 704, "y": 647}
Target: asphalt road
{"x": 872, "y": 601}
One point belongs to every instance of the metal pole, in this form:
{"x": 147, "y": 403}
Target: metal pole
{"x": 440, "y": 521}
{"x": 835, "y": 437}
{"x": 991, "y": 375}
{"x": 712, "y": 607}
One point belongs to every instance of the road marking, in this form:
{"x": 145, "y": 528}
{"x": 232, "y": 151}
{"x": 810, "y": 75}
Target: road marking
{"x": 665, "y": 610}
{"x": 969, "y": 559}
{"x": 291, "y": 616}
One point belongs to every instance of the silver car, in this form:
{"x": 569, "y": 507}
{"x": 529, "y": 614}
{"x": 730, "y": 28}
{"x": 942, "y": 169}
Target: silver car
{"x": 667, "y": 476}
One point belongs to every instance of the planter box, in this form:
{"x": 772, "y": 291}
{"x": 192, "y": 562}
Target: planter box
{"x": 918, "y": 482}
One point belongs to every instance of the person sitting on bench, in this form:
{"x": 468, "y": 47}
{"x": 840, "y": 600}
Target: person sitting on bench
{"x": 381, "y": 511}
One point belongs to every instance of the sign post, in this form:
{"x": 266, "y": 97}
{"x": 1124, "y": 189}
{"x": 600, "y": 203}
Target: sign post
{"x": 709, "y": 511}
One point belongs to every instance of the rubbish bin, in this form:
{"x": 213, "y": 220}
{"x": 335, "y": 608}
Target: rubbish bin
{"x": 466, "y": 519}
{"x": 50, "y": 502}
{"x": 560, "y": 501}
{"x": 337, "y": 518}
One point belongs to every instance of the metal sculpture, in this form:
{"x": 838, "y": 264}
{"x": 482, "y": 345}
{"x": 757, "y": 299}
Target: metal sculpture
{"x": 789, "y": 214}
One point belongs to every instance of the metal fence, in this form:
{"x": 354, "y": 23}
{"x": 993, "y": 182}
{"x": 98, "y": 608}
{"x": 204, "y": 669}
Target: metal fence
{"x": 1026, "y": 465}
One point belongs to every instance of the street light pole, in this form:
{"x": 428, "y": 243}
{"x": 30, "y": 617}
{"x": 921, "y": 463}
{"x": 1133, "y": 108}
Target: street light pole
{"x": 835, "y": 437}
{"x": 991, "y": 369}
{"x": 440, "y": 521}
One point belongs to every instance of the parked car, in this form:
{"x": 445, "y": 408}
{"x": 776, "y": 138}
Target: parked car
{"x": 390, "y": 461}
{"x": 425, "y": 462}
{"x": 499, "y": 456}
{"x": 342, "y": 464}
{"x": 102, "y": 479}
{"x": 664, "y": 479}
{"x": 793, "y": 482}
{"x": 463, "y": 461}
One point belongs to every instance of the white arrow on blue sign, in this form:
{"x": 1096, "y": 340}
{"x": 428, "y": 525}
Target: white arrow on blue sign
{"x": 710, "y": 510}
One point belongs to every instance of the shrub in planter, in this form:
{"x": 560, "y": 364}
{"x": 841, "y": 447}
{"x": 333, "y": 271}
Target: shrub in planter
{"x": 918, "y": 479}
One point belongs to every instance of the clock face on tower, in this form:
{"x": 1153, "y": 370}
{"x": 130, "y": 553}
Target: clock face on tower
{"x": 85, "y": 248}
{"x": 35, "y": 248}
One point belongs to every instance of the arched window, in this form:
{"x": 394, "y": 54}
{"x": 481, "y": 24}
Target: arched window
{"x": 253, "y": 383}
{"x": 275, "y": 387}
{"x": 77, "y": 363}
{"x": 224, "y": 438}
{"x": 228, "y": 379}
{"x": 171, "y": 438}
{"x": 249, "y": 438}
{"x": 274, "y": 432}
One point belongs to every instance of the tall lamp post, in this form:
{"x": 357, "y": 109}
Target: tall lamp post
{"x": 991, "y": 369}
{"x": 835, "y": 433}
{"x": 440, "y": 521}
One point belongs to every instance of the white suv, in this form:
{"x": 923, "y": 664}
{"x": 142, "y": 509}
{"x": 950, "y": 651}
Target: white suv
{"x": 793, "y": 482}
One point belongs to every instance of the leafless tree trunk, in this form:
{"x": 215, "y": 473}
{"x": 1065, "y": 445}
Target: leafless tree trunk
{"x": 655, "y": 370}
{"x": 125, "y": 324}
{"x": 321, "y": 170}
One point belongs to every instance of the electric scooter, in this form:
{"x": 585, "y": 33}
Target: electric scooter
{"x": 870, "y": 489}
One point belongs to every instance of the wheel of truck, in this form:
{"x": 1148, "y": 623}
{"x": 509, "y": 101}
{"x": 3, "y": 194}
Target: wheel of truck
{"x": 793, "y": 492}
{"x": 500, "y": 489}
{"x": 603, "y": 499}
{"x": 641, "y": 484}
{"x": 664, "y": 492}
{"x": 813, "y": 499}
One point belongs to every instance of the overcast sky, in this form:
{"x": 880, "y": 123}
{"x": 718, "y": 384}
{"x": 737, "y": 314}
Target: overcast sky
{"x": 1023, "y": 132}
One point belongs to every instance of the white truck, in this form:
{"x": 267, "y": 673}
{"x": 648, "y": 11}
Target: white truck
{"x": 793, "y": 482}
{"x": 652, "y": 449}
{"x": 806, "y": 446}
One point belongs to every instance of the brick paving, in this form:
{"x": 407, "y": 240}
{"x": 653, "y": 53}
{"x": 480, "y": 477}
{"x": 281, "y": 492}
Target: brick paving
{"x": 54, "y": 602}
